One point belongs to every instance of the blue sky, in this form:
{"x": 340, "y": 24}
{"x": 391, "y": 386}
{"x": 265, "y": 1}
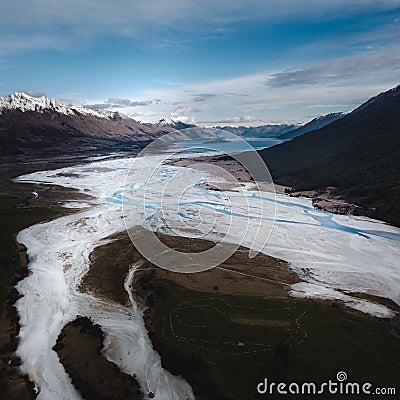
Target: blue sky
{"x": 210, "y": 62}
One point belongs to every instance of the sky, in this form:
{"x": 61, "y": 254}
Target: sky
{"x": 210, "y": 62}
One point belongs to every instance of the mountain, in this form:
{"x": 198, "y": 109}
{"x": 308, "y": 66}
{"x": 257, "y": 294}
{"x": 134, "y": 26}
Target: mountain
{"x": 359, "y": 154}
{"x": 34, "y": 126}
{"x": 263, "y": 131}
{"x": 170, "y": 123}
{"x": 314, "y": 124}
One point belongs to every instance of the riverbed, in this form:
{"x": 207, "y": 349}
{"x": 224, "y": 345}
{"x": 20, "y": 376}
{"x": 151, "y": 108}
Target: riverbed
{"x": 335, "y": 255}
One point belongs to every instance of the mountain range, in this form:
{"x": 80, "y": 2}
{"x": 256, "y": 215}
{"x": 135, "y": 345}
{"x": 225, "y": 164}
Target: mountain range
{"x": 263, "y": 131}
{"x": 358, "y": 155}
{"x": 39, "y": 126}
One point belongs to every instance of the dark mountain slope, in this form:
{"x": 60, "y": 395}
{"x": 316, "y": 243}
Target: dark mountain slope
{"x": 359, "y": 154}
{"x": 314, "y": 124}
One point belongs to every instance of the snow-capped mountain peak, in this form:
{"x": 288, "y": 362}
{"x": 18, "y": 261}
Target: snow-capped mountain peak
{"x": 170, "y": 123}
{"x": 166, "y": 122}
{"x": 24, "y": 102}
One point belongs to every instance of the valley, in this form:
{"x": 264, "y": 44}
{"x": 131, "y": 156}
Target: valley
{"x": 199, "y": 201}
{"x": 76, "y": 236}
{"x": 287, "y": 277}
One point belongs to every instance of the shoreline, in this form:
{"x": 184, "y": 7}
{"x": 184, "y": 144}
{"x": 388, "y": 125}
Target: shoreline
{"x": 91, "y": 373}
{"x": 13, "y": 381}
{"x": 58, "y": 308}
{"x": 219, "y": 290}
{"x": 328, "y": 200}
{"x": 230, "y": 277}
{"x": 270, "y": 277}
{"x": 155, "y": 290}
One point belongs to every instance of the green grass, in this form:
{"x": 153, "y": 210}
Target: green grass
{"x": 197, "y": 339}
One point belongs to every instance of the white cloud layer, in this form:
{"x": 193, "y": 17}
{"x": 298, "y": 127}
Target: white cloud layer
{"x": 284, "y": 94}
{"x": 291, "y": 95}
{"x": 383, "y": 63}
{"x": 41, "y": 24}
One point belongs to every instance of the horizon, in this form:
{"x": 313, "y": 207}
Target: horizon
{"x": 162, "y": 60}
{"x": 166, "y": 118}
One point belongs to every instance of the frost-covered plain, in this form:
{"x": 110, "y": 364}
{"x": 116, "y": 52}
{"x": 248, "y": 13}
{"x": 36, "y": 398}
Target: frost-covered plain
{"x": 335, "y": 255}
{"x": 59, "y": 256}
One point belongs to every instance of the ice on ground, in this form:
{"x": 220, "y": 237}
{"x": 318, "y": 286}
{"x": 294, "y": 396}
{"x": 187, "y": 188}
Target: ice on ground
{"x": 312, "y": 291}
{"x": 59, "y": 256}
{"x": 332, "y": 253}
{"x": 75, "y": 204}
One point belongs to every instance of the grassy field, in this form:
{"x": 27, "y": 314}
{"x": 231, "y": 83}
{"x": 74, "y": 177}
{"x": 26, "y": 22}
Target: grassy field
{"x": 224, "y": 345}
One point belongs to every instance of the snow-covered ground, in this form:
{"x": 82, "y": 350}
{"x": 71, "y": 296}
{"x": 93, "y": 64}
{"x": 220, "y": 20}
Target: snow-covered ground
{"x": 59, "y": 256}
{"x": 332, "y": 253}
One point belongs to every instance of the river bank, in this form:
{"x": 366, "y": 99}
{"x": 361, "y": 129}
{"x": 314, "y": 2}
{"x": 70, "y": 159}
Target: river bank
{"x": 61, "y": 277}
{"x": 222, "y": 331}
{"x": 329, "y": 200}
{"x": 20, "y": 208}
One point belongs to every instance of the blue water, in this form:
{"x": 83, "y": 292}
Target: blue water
{"x": 318, "y": 217}
{"x": 234, "y": 146}
{"x": 325, "y": 219}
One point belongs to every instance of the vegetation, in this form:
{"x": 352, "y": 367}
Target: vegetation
{"x": 224, "y": 345}
{"x": 359, "y": 154}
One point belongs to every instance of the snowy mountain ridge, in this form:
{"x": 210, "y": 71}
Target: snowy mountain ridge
{"x": 24, "y": 102}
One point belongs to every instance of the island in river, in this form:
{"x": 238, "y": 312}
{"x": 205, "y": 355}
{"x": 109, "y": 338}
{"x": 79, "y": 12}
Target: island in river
{"x": 208, "y": 324}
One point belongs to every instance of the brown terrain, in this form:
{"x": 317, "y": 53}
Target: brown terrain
{"x": 91, "y": 373}
{"x": 19, "y": 210}
{"x": 93, "y": 376}
{"x": 50, "y": 134}
{"x": 239, "y": 275}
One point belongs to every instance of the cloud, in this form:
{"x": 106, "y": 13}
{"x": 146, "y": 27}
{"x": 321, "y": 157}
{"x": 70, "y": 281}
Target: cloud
{"x": 144, "y": 114}
{"x": 183, "y": 111}
{"x": 140, "y": 103}
{"x": 202, "y": 97}
{"x": 183, "y": 114}
{"x": 73, "y": 23}
{"x": 98, "y": 106}
{"x": 33, "y": 93}
{"x": 339, "y": 84}
{"x": 128, "y": 103}
{"x": 232, "y": 94}
{"x": 118, "y": 103}
{"x": 245, "y": 119}
{"x": 339, "y": 69}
